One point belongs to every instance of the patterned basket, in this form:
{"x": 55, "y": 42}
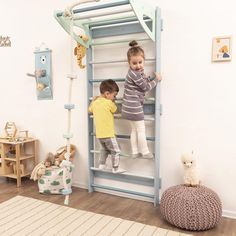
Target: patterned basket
{"x": 52, "y": 181}
{"x": 191, "y": 208}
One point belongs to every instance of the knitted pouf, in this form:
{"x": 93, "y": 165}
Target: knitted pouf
{"x": 191, "y": 208}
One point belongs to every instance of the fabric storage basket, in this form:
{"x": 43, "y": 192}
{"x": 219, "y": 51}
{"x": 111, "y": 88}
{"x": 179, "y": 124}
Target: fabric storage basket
{"x": 52, "y": 181}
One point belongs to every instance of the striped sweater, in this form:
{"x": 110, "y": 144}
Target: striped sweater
{"x": 135, "y": 87}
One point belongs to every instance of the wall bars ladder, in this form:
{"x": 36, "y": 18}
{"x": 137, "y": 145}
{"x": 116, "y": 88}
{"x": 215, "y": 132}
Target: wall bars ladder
{"x": 106, "y": 21}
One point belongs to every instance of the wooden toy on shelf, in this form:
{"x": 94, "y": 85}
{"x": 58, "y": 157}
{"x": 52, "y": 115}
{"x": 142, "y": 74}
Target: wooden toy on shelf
{"x": 22, "y": 169}
{"x": 10, "y": 130}
{"x": 11, "y": 133}
{"x": 25, "y": 135}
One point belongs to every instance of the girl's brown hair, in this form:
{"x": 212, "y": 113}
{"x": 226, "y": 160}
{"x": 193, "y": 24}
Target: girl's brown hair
{"x": 135, "y": 50}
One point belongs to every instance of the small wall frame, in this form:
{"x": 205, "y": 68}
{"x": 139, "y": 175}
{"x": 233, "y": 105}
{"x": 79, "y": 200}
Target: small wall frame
{"x": 221, "y": 48}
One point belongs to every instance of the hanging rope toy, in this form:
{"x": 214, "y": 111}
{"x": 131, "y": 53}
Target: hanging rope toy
{"x": 66, "y": 164}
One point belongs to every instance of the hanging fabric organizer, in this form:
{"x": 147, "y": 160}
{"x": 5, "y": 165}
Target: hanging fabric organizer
{"x": 106, "y": 20}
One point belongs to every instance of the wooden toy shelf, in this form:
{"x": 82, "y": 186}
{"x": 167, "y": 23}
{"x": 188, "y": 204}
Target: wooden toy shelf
{"x": 18, "y": 158}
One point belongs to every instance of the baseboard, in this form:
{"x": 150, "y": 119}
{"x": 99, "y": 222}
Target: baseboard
{"x": 79, "y": 185}
{"x": 229, "y": 214}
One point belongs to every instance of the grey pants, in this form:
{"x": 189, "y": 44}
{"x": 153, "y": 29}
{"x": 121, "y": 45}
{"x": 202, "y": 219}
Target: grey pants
{"x": 109, "y": 147}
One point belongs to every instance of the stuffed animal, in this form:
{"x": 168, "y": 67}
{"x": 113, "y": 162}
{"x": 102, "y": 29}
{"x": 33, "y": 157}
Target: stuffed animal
{"x": 40, "y": 169}
{"x": 60, "y": 154}
{"x": 49, "y": 161}
{"x": 191, "y": 178}
{"x": 80, "y": 51}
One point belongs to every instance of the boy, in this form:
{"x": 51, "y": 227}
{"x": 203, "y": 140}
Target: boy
{"x": 103, "y": 108}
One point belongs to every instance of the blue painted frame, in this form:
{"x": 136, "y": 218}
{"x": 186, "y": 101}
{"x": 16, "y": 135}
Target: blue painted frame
{"x": 94, "y": 172}
{"x": 153, "y": 28}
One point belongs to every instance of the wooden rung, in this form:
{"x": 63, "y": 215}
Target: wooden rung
{"x": 124, "y": 155}
{"x": 121, "y": 136}
{"x": 123, "y": 190}
{"x": 124, "y": 173}
{"x": 150, "y": 99}
{"x": 97, "y": 7}
{"x": 118, "y": 116}
{"x": 118, "y": 41}
{"x": 93, "y": 14}
{"x": 117, "y": 61}
{"x": 100, "y": 80}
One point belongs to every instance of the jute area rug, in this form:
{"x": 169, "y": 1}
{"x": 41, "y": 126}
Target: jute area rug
{"x": 21, "y": 216}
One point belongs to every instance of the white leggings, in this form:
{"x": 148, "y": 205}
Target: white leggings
{"x": 138, "y": 137}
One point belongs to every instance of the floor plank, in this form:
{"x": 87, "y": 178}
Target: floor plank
{"x": 125, "y": 208}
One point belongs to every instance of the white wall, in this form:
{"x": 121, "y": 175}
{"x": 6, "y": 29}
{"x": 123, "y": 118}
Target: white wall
{"x": 45, "y": 120}
{"x": 198, "y": 96}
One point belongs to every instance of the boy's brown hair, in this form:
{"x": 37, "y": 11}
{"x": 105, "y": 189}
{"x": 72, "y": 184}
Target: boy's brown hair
{"x": 134, "y": 50}
{"x": 108, "y": 85}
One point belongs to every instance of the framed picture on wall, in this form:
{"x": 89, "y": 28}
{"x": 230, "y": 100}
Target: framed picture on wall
{"x": 221, "y": 48}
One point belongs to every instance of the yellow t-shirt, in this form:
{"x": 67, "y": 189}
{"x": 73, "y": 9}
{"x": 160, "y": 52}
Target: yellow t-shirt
{"x": 103, "y": 110}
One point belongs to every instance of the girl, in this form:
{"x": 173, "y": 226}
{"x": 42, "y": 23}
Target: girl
{"x": 136, "y": 85}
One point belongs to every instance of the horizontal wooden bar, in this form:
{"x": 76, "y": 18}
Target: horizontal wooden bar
{"x": 100, "y": 80}
{"x": 123, "y": 155}
{"x": 118, "y": 30}
{"x": 118, "y": 116}
{"x": 93, "y": 14}
{"x": 120, "y": 101}
{"x": 114, "y": 21}
{"x": 118, "y": 41}
{"x": 123, "y": 190}
{"x": 127, "y": 173}
{"x": 151, "y": 99}
{"x": 118, "y": 61}
{"x": 122, "y": 136}
{"x": 97, "y": 7}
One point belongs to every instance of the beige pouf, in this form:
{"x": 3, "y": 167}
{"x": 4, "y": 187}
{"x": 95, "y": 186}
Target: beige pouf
{"x": 191, "y": 208}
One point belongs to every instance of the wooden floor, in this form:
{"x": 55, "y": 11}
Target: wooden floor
{"x": 129, "y": 209}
